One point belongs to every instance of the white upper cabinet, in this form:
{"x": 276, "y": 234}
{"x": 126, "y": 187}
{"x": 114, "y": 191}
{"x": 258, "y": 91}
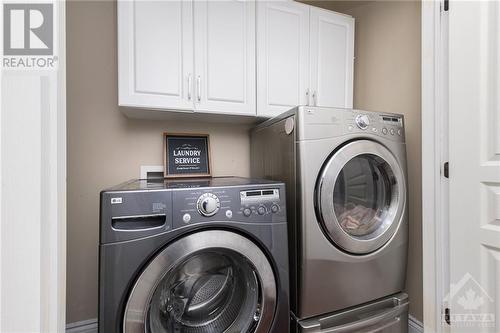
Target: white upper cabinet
{"x": 282, "y": 56}
{"x": 332, "y": 58}
{"x": 155, "y": 54}
{"x": 232, "y": 57}
{"x": 225, "y": 56}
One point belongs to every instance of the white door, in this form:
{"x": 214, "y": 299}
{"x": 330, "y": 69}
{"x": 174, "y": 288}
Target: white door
{"x": 225, "y": 56}
{"x": 282, "y": 56}
{"x": 474, "y": 123}
{"x": 332, "y": 58}
{"x": 155, "y": 54}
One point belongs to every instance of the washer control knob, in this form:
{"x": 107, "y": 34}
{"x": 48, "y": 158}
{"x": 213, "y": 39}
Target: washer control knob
{"x": 384, "y": 130}
{"x": 247, "y": 212}
{"x": 362, "y": 121}
{"x": 229, "y": 214}
{"x": 275, "y": 208}
{"x": 261, "y": 210}
{"x": 208, "y": 204}
{"x": 186, "y": 218}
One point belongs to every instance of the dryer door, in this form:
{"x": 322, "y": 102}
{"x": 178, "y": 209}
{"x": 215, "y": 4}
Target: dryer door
{"x": 210, "y": 281}
{"x": 361, "y": 196}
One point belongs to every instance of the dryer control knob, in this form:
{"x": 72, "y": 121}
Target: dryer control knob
{"x": 208, "y": 204}
{"x": 275, "y": 208}
{"x": 362, "y": 121}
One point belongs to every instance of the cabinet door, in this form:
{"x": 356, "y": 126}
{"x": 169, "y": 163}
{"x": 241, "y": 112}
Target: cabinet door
{"x": 155, "y": 54}
{"x": 225, "y": 56}
{"x": 282, "y": 56}
{"x": 332, "y": 58}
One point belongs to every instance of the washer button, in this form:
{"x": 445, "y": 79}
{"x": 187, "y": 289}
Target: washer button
{"x": 229, "y": 214}
{"x": 350, "y": 128}
{"x": 247, "y": 212}
{"x": 392, "y": 131}
{"x": 374, "y": 129}
{"x": 261, "y": 210}
{"x": 275, "y": 208}
{"x": 186, "y": 218}
{"x": 384, "y": 130}
{"x": 399, "y": 132}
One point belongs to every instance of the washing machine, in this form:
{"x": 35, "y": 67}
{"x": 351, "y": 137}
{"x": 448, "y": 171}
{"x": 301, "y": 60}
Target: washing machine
{"x": 345, "y": 173}
{"x": 194, "y": 255}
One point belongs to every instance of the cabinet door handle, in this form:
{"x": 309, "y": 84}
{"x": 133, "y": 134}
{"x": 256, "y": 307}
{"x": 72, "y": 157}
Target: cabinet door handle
{"x": 307, "y": 97}
{"x": 190, "y": 77}
{"x": 198, "y": 87}
{"x": 315, "y": 100}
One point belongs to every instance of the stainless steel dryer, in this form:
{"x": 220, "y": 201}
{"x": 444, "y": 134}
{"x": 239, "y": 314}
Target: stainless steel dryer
{"x": 345, "y": 172}
{"x": 202, "y": 255}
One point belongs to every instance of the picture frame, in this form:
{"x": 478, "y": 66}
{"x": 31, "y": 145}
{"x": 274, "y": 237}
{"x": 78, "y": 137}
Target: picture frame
{"x": 186, "y": 155}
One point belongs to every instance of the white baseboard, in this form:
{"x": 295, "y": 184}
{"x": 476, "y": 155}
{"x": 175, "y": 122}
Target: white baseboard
{"x": 85, "y": 326}
{"x": 90, "y": 326}
{"x": 414, "y": 325}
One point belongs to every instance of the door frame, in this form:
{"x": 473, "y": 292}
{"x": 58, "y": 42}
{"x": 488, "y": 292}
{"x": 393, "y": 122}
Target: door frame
{"x": 435, "y": 236}
{"x": 33, "y": 175}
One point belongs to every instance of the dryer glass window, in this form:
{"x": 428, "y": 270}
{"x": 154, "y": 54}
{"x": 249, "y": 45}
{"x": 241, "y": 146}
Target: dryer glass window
{"x": 362, "y": 196}
{"x": 211, "y": 291}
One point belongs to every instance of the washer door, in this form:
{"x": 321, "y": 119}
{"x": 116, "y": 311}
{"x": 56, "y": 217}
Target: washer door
{"x": 361, "y": 196}
{"x": 210, "y": 281}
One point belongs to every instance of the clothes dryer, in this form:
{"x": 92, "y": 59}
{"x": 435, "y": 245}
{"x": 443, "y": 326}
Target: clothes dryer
{"x": 345, "y": 172}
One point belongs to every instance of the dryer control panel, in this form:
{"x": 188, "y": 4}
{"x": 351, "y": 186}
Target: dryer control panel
{"x": 384, "y": 125}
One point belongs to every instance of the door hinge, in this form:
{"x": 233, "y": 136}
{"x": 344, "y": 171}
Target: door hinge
{"x": 446, "y": 5}
{"x": 447, "y": 316}
{"x": 446, "y": 169}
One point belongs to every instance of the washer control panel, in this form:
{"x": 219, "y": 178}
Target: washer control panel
{"x": 259, "y": 204}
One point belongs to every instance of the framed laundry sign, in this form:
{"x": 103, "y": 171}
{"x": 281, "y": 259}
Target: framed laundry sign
{"x": 186, "y": 155}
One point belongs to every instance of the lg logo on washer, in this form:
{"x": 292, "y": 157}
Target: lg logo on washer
{"x": 28, "y": 36}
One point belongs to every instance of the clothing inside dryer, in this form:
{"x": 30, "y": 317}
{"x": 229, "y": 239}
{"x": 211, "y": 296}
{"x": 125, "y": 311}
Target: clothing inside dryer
{"x": 362, "y": 195}
{"x": 212, "y": 291}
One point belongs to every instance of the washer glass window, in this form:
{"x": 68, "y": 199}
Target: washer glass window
{"x": 362, "y": 195}
{"x": 211, "y": 291}
{"x": 208, "y": 281}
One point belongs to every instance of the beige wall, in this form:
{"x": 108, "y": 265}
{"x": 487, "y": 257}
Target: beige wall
{"x": 387, "y": 78}
{"x": 105, "y": 148}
